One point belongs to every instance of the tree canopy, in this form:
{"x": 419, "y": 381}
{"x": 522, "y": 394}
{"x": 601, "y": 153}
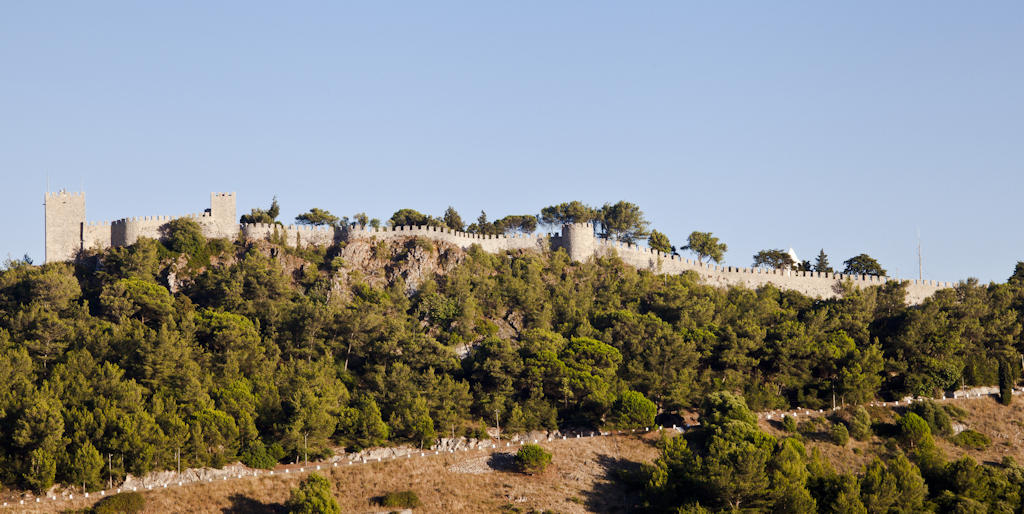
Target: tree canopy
{"x": 623, "y": 221}
{"x": 569, "y": 212}
{"x": 863, "y": 264}
{"x": 268, "y": 215}
{"x": 658, "y": 241}
{"x": 705, "y": 246}
{"x": 268, "y": 352}
{"x": 773, "y": 259}
{"x": 318, "y": 217}
{"x": 414, "y": 218}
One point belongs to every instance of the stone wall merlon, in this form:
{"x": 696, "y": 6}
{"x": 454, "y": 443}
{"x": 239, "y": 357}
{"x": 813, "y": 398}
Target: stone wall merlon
{"x": 63, "y": 194}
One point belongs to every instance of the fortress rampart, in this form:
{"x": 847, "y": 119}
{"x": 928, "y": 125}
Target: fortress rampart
{"x": 67, "y": 233}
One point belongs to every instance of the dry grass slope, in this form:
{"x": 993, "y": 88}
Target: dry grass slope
{"x": 578, "y": 480}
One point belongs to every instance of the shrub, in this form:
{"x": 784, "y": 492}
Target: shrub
{"x": 935, "y": 415}
{"x": 860, "y": 426}
{"x": 789, "y": 423}
{"x": 531, "y": 458}
{"x": 257, "y": 455}
{"x": 313, "y": 496}
{"x": 972, "y": 440}
{"x": 401, "y": 499}
{"x": 633, "y": 410}
{"x": 120, "y": 503}
{"x": 479, "y": 431}
{"x": 839, "y": 434}
{"x": 424, "y": 244}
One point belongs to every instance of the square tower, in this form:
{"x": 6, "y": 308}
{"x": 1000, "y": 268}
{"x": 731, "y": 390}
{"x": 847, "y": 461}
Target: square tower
{"x": 65, "y": 223}
{"x": 224, "y": 214}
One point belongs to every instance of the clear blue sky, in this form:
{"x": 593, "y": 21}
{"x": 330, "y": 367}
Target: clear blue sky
{"x": 772, "y": 124}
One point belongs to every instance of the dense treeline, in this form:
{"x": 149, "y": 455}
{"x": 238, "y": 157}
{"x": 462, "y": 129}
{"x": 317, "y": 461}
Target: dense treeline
{"x": 265, "y": 352}
{"x": 730, "y": 464}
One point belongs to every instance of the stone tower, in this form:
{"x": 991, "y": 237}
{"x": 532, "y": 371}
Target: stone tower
{"x": 65, "y": 223}
{"x": 224, "y": 215}
{"x": 579, "y": 241}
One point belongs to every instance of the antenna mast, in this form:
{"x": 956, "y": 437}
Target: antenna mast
{"x": 920, "y": 261}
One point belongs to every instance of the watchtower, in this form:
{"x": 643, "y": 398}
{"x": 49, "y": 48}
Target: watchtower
{"x": 224, "y": 214}
{"x": 65, "y": 223}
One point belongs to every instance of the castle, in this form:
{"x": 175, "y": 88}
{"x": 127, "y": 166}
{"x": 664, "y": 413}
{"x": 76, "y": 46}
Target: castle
{"x": 68, "y": 232}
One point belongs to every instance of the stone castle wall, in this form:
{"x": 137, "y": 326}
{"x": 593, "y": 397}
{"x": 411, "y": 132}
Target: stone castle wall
{"x": 810, "y": 283}
{"x": 67, "y": 233}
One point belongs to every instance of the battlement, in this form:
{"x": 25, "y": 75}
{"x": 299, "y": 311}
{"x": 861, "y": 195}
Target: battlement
{"x": 63, "y": 194}
{"x": 67, "y": 233}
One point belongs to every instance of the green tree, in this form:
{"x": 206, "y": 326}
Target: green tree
{"x": 722, "y": 407}
{"x": 184, "y": 235}
{"x": 268, "y": 216}
{"x": 623, "y": 221}
{"x": 736, "y": 465}
{"x": 633, "y": 410}
{"x": 85, "y": 467}
{"x": 821, "y": 264}
{"x": 452, "y": 219}
{"x": 523, "y": 224}
{"x": 914, "y": 429}
{"x": 1005, "y": 383}
{"x": 313, "y": 496}
{"x": 863, "y": 264}
{"x": 410, "y": 217}
{"x": 136, "y": 298}
{"x": 705, "y": 246}
{"x": 789, "y": 476}
{"x": 566, "y": 213}
{"x": 909, "y": 483}
{"x": 658, "y": 241}
{"x": 1017, "y": 278}
{"x": 317, "y": 217}
{"x": 364, "y": 423}
{"x": 773, "y": 259}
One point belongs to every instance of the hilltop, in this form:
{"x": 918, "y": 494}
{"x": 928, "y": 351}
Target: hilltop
{"x": 262, "y": 351}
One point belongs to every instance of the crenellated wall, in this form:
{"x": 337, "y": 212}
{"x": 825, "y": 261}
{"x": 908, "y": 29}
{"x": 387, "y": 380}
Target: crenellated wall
{"x": 813, "y": 284}
{"x": 488, "y": 243}
{"x": 293, "y": 235}
{"x": 67, "y": 233}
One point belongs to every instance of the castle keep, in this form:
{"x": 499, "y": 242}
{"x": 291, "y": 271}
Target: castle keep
{"x": 67, "y": 233}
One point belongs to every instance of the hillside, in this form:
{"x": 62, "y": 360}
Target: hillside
{"x": 586, "y": 474}
{"x": 218, "y": 350}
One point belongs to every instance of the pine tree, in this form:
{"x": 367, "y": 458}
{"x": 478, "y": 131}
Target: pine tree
{"x": 909, "y": 483}
{"x": 789, "y": 479}
{"x": 1005, "y": 383}
{"x": 821, "y": 264}
{"x": 452, "y": 219}
{"x": 878, "y": 487}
